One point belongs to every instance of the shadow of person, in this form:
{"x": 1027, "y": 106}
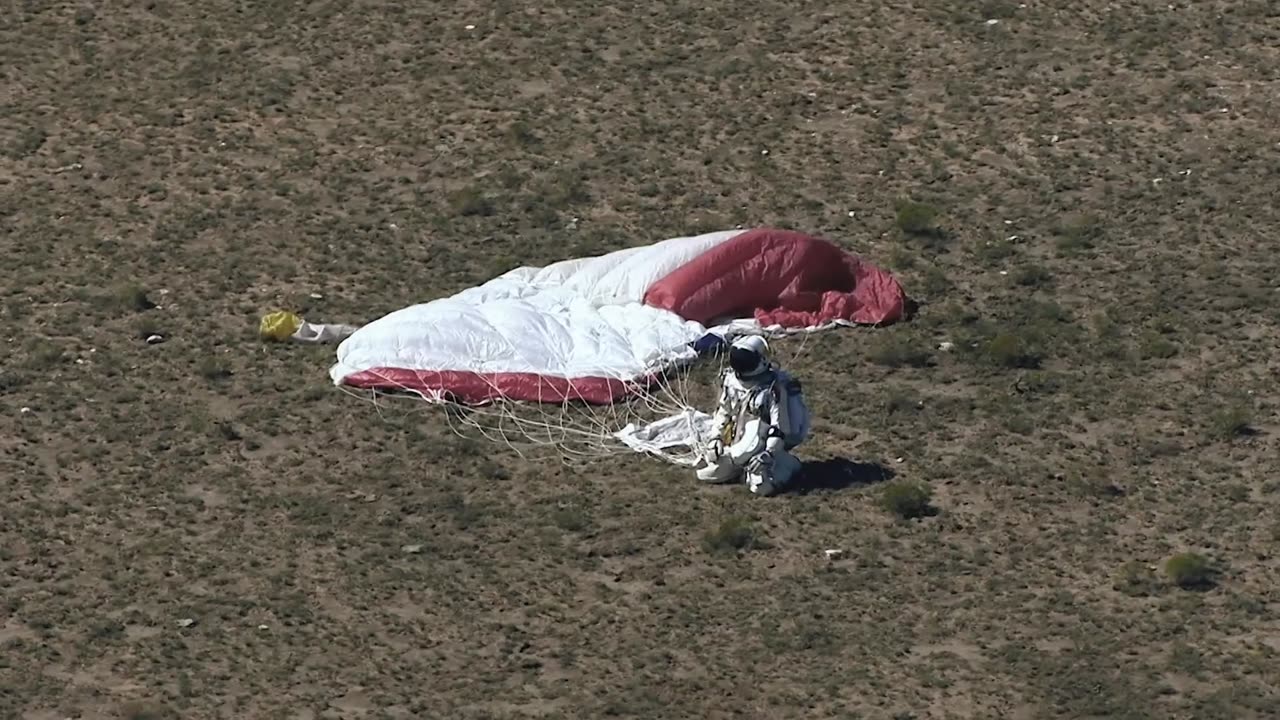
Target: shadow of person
{"x": 836, "y": 474}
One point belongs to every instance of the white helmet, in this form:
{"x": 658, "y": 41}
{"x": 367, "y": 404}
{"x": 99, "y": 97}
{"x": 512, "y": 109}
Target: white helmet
{"x": 749, "y": 356}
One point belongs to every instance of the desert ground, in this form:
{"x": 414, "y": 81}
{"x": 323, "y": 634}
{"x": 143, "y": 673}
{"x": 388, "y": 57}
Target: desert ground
{"x": 1068, "y": 512}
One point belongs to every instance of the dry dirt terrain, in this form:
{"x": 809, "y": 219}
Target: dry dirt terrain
{"x": 1081, "y": 195}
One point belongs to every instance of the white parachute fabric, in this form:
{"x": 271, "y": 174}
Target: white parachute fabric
{"x": 322, "y": 333}
{"x": 552, "y": 333}
{"x": 675, "y": 438}
{"x": 572, "y": 319}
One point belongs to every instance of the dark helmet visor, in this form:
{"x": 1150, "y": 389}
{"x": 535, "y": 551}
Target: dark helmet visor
{"x": 743, "y": 360}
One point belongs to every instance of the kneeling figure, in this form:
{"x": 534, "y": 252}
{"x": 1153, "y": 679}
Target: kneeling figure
{"x": 761, "y": 418}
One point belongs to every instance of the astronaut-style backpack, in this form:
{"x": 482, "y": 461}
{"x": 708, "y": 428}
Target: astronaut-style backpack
{"x": 795, "y": 413}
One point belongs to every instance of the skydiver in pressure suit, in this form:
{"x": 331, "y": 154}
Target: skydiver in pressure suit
{"x": 753, "y": 428}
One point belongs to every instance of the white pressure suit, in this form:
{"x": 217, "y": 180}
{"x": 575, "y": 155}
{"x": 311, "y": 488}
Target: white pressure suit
{"x": 751, "y": 425}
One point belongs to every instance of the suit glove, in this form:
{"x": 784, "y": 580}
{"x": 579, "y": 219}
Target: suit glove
{"x": 760, "y": 462}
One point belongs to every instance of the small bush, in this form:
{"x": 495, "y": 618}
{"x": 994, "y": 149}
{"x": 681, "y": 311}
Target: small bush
{"x": 213, "y": 369}
{"x": 146, "y": 327}
{"x": 732, "y": 535}
{"x": 900, "y": 403}
{"x": 907, "y": 499}
{"x": 1011, "y": 351}
{"x": 902, "y": 259}
{"x": 521, "y": 133}
{"x": 1032, "y": 276}
{"x": 570, "y": 519}
{"x": 470, "y": 202}
{"x": 1001, "y": 9}
{"x": 1043, "y": 316}
{"x": 1136, "y": 579}
{"x": 500, "y": 265}
{"x": 465, "y": 514}
{"x": 43, "y": 355}
{"x": 992, "y": 252}
{"x": 1020, "y": 424}
{"x": 1041, "y": 383}
{"x": 1156, "y": 346}
{"x": 26, "y": 142}
{"x": 1189, "y": 571}
{"x": 706, "y": 221}
{"x": 133, "y": 298}
{"x": 935, "y": 282}
{"x": 1106, "y": 327}
{"x": 228, "y": 431}
{"x": 1078, "y": 235}
{"x": 1231, "y": 422}
{"x": 916, "y": 218}
{"x": 565, "y": 191}
{"x": 898, "y": 353}
{"x": 146, "y": 711}
{"x": 10, "y": 379}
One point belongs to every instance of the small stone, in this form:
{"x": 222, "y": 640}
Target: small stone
{"x": 316, "y": 296}
{"x": 470, "y": 27}
{"x": 412, "y": 549}
{"x": 946, "y": 346}
{"x": 186, "y": 622}
{"x": 25, "y": 410}
{"x": 155, "y": 339}
{"x": 832, "y": 554}
{"x": 262, "y": 627}
{"x": 993, "y": 21}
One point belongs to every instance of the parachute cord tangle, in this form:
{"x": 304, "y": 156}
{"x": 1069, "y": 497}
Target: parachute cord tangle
{"x": 572, "y": 430}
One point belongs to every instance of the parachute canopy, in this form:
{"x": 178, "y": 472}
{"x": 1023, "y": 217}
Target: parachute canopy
{"x": 595, "y": 329}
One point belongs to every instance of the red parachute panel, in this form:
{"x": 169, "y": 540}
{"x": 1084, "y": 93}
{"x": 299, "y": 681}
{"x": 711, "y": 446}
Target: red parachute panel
{"x": 473, "y": 388}
{"x": 781, "y": 277}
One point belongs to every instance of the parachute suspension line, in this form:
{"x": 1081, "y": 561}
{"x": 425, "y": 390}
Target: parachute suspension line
{"x": 455, "y": 414}
{"x": 502, "y": 421}
{"x": 532, "y": 431}
{"x": 799, "y": 352}
{"x": 592, "y": 435}
{"x": 567, "y": 424}
{"x": 500, "y": 433}
{"x": 543, "y": 431}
